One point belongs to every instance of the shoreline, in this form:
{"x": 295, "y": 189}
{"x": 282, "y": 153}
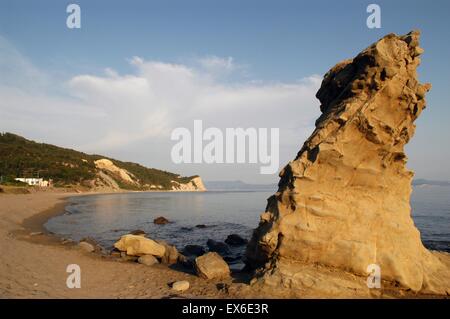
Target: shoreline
{"x": 34, "y": 265}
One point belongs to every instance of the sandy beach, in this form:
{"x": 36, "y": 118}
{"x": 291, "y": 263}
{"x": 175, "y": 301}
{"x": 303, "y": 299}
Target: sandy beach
{"x": 34, "y": 266}
{"x": 34, "y": 263}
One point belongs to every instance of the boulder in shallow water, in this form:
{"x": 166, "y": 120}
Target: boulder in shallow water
{"x": 135, "y": 245}
{"x": 218, "y": 247}
{"x": 193, "y": 250}
{"x": 211, "y": 266}
{"x": 160, "y": 220}
{"x": 148, "y": 260}
{"x": 236, "y": 240}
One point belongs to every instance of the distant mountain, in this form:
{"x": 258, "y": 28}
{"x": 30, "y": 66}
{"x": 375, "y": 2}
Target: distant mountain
{"x": 238, "y": 185}
{"x": 421, "y": 181}
{"x": 20, "y": 157}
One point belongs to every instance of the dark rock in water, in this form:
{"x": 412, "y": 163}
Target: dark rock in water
{"x": 218, "y": 247}
{"x": 200, "y": 226}
{"x": 161, "y": 220}
{"x": 236, "y": 240}
{"x": 138, "y": 232}
{"x": 230, "y": 259}
{"x": 195, "y": 250}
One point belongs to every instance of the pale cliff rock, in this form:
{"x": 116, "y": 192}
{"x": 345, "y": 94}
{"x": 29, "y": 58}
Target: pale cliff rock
{"x": 107, "y": 165}
{"x": 344, "y": 202}
{"x": 195, "y": 184}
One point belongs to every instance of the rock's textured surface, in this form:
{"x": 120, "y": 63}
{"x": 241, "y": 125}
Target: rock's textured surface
{"x": 135, "y": 245}
{"x": 212, "y": 266}
{"x": 171, "y": 254}
{"x": 344, "y": 202}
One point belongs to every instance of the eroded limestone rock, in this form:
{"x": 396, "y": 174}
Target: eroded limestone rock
{"x": 344, "y": 201}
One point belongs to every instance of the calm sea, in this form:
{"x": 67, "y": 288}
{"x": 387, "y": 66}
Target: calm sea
{"x": 107, "y": 217}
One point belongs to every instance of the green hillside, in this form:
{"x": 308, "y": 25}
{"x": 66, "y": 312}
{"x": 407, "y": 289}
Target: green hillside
{"x": 20, "y": 157}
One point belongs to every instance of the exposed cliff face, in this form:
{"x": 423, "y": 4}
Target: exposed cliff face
{"x": 120, "y": 173}
{"x": 195, "y": 184}
{"x": 344, "y": 202}
{"x": 110, "y": 177}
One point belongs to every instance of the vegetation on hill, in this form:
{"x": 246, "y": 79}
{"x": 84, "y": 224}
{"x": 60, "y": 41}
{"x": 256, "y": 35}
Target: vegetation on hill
{"x": 20, "y": 157}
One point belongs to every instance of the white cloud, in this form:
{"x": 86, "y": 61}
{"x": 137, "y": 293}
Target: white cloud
{"x": 217, "y": 65}
{"x": 110, "y": 112}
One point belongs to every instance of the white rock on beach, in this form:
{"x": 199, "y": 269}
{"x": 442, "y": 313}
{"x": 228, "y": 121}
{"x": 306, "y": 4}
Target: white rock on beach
{"x": 148, "y": 260}
{"x": 182, "y": 285}
{"x": 86, "y": 246}
{"x": 137, "y": 246}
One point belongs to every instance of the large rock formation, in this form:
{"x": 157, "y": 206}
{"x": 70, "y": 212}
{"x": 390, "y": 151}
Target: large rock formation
{"x": 344, "y": 202}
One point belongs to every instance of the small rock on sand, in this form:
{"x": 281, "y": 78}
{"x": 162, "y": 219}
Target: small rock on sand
{"x": 182, "y": 285}
{"x": 37, "y": 233}
{"x": 86, "y": 246}
{"x": 148, "y": 260}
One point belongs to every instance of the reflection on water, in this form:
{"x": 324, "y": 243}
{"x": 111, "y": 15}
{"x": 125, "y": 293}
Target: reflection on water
{"x": 107, "y": 217}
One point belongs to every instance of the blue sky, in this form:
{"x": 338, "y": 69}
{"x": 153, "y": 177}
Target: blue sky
{"x": 268, "y": 42}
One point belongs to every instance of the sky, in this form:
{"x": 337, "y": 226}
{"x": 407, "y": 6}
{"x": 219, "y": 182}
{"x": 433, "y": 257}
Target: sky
{"x": 136, "y": 70}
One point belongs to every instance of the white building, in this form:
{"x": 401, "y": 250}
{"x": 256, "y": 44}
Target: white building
{"x": 33, "y": 181}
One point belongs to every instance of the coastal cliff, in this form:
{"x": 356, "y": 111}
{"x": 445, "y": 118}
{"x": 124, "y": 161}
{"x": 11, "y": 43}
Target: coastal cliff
{"x": 343, "y": 203}
{"x": 79, "y": 171}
